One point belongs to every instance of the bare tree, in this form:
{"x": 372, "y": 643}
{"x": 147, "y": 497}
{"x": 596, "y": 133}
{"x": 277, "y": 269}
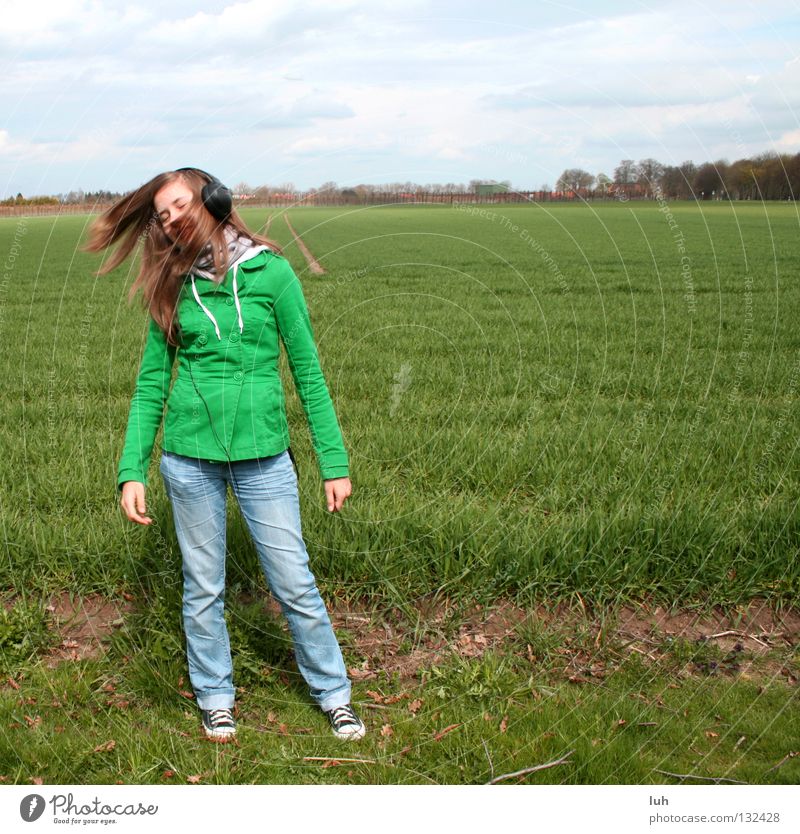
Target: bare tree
{"x": 602, "y": 182}
{"x": 648, "y": 173}
{"x": 706, "y": 181}
{"x": 574, "y": 179}
{"x": 625, "y": 176}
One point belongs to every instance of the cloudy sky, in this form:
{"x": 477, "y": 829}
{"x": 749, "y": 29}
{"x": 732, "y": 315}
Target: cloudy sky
{"x": 107, "y": 94}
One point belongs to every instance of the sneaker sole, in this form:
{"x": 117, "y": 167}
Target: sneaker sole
{"x": 215, "y": 734}
{"x": 354, "y": 736}
{"x": 218, "y": 734}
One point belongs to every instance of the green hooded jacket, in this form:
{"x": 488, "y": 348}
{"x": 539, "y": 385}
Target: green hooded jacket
{"x": 227, "y": 402}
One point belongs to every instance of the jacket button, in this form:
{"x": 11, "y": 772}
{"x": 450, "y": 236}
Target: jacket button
{"x": 202, "y": 339}
{"x": 234, "y": 337}
{"x": 229, "y": 301}
{"x": 238, "y": 375}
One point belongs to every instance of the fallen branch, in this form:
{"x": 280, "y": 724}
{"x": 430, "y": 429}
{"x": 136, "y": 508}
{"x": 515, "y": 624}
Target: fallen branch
{"x": 733, "y": 633}
{"x": 641, "y": 651}
{"x": 526, "y": 770}
{"x": 491, "y": 766}
{"x": 640, "y": 639}
{"x": 702, "y": 778}
{"x": 782, "y": 761}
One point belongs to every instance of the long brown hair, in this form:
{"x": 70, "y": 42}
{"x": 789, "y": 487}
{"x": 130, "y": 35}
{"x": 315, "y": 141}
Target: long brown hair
{"x": 164, "y": 263}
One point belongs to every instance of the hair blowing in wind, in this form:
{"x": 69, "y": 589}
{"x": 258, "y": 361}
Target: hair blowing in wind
{"x": 164, "y": 261}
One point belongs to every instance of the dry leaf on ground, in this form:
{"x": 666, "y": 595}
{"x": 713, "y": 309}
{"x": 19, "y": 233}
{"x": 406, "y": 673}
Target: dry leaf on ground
{"x": 105, "y": 748}
{"x": 442, "y": 733}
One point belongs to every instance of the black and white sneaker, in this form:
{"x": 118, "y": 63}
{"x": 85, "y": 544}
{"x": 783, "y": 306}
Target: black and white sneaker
{"x": 219, "y": 723}
{"x": 346, "y": 724}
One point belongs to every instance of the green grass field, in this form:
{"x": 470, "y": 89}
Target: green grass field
{"x": 541, "y": 403}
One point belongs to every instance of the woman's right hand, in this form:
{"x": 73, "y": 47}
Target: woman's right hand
{"x": 132, "y": 502}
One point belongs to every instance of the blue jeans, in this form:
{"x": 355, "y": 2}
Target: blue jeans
{"x": 266, "y": 490}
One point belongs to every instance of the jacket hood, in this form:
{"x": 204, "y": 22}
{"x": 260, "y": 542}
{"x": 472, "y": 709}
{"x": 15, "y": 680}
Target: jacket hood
{"x": 249, "y": 252}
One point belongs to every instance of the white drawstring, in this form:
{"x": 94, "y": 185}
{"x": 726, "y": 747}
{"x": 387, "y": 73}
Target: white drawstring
{"x": 250, "y": 254}
{"x": 205, "y": 309}
{"x": 236, "y": 299}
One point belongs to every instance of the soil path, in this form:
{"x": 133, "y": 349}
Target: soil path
{"x": 388, "y": 642}
{"x": 313, "y": 263}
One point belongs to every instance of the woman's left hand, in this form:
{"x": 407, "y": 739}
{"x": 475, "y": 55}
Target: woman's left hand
{"x": 336, "y": 491}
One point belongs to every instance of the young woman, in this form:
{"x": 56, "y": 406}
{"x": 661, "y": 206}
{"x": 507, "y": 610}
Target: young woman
{"x": 219, "y": 297}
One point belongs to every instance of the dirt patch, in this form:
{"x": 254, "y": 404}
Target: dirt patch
{"x": 388, "y": 641}
{"x": 756, "y": 621}
{"x": 313, "y": 264}
{"x": 83, "y": 625}
{"x": 389, "y": 644}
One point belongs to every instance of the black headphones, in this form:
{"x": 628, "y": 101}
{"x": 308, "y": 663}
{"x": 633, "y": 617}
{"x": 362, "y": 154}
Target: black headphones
{"x": 217, "y": 198}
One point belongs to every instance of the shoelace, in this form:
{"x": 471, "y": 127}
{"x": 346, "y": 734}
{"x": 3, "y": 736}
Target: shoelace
{"x": 344, "y": 715}
{"x": 220, "y": 717}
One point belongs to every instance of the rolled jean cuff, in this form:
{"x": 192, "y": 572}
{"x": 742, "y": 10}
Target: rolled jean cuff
{"x": 216, "y": 700}
{"x": 338, "y": 698}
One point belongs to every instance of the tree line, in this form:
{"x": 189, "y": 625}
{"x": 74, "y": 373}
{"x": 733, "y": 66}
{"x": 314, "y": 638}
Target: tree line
{"x": 768, "y": 176}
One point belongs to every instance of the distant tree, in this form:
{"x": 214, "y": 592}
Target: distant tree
{"x": 671, "y": 182}
{"x": 688, "y": 171}
{"x": 770, "y": 171}
{"x": 602, "y": 182}
{"x": 706, "y": 181}
{"x": 793, "y": 176}
{"x": 625, "y": 176}
{"x": 740, "y": 182}
{"x": 625, "y": 173}
{"x": 574, "y": 179}
{"x": 721, "y": 167}
{"x": 677, "y": 181}
{"x": 648, "y": 173}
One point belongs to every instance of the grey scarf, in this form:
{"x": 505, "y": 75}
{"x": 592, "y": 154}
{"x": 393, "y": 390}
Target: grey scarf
{"x": 237, "y": 246}
{"x": 240, "y": 249}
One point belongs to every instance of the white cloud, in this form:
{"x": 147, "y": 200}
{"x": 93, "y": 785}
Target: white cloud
{"x": 319, "y": 145}
{"x": 455, "y": 87}
{"x": 233, "y": 24}
{"x": 789, "y": 141}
